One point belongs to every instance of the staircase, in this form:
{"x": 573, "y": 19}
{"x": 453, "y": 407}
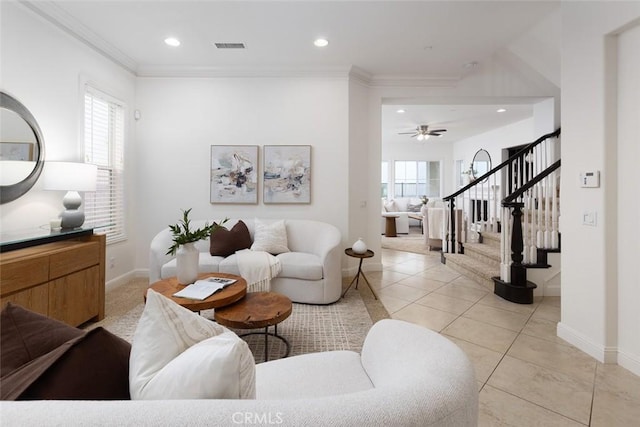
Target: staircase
{"x": 498, "y": 240}
{"x": 480, "y": 261}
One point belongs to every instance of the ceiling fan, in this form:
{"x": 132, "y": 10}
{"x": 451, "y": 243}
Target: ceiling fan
{"x": 422, "y": 132}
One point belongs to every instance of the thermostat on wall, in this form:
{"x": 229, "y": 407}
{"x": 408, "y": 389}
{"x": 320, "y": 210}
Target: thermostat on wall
{"x": 590, "y": 179}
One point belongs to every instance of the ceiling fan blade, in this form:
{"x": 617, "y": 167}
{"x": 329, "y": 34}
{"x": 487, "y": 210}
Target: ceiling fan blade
{"x": 407, "y": 133}
{"x": 438, "y": 130}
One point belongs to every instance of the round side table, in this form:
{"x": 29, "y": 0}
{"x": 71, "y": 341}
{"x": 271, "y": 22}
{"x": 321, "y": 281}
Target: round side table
{"x": 367, "y": 254}
{"x": 257, "y": 310}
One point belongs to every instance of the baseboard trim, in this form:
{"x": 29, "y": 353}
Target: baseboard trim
{"x": 601, "y": 353}
{"x": 630, "y": 362}
{"x": 126, "y": 278}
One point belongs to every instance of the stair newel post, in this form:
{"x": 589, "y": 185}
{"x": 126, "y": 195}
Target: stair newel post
{"x": 518, "y": 272}
{"x": 452, "y": 226}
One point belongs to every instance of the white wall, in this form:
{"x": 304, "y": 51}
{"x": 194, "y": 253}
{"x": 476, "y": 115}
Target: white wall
{"x": 592, "y": 284}
{"x": 494, "y": 141}
{"x": 42, "y": 66}
{"x": 628, "y": 198}
{"x": 359, "y": 142}
{"x": 183, "y": 117}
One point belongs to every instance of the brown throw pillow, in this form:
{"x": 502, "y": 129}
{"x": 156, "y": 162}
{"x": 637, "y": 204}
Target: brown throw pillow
{"x": 43, "y": 358}
{"x": 25, "y": 335}
{"x": 96, "y": 367}
{"x": 226, "y": 242}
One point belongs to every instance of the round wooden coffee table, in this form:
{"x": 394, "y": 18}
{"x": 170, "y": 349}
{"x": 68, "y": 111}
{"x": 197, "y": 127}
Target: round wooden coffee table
{"x": 232, "y": 293}
{"x": 257, "y": 310}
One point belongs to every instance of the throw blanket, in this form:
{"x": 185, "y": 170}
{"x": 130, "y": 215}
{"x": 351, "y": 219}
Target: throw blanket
{"x": 435, "y": 217}
{"x": 258, "y": 268}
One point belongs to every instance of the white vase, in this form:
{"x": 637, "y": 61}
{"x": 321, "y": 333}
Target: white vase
{"x": 359, "y": 247}
{"x": 187, "y": 263}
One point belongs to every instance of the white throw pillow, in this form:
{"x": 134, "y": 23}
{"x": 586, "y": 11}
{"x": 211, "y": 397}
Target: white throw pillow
{"x": 391, "y": 206}
{"x": 270, "y": 238}
{"x": 177, "y": 354}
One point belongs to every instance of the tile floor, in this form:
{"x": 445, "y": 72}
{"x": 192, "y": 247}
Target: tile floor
{"x": 526, "y": 375}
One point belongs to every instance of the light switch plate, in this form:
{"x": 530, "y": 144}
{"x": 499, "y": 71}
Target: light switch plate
{"x": 589, "y": 218}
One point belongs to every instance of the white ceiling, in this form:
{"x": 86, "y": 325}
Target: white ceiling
{"x": 383, "y": 39}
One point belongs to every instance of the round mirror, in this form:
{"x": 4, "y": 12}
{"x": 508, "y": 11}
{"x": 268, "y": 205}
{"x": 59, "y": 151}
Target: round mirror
{"x": 21, "y": 149}
{"x": 481, "y": 164}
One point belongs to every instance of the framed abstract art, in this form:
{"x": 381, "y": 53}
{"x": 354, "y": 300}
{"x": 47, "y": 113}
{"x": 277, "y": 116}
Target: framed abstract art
{"x": 234, "y": 174}
{"x": 287, "y": 174}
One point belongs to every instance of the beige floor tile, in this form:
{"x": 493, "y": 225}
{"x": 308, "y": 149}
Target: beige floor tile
{"x": 445, "y": 303}
{"x": 548, "y": 388}
{"x": 547, "y": 312}
{"x": 497, "y": 317}
{"x": 544, "y": 329}
{"x": 407, "y": 267}
{"x": 403, "y": 292}
{"x": 381, "y": 279}
{"x": 428, "y": 317}
{"x": 420, "y": 282}
{"x": 441, "y": 273}
{"x": 492, "y": 300}
{"x": 482, "y": 334}
{"x": 616, "y": 401}
{"x": 498, "y": 408}
{"x": 566, "y": 359}
{"x": 484, "y": 360}
{"x": 554, "y": 301}
{"x": 393, "y": 304}
{"x": 465, "y": 281}
{"x": 461, "y": 292}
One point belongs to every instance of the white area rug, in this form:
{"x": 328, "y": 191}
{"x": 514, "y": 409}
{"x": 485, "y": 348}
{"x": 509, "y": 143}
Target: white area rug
{"x": 310, "y": 328}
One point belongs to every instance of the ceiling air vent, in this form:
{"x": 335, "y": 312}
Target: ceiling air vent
{"x": 230, "y": 45}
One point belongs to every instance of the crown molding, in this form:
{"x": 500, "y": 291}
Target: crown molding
{"x": 338, "y": 72}
{"x": 414, "y": 81}
{"x": 60, "y": 18}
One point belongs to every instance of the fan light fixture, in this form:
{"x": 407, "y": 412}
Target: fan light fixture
{"x": 321, "y": 42}
{"x": 172, "y": 41}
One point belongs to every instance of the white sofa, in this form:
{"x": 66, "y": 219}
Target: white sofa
{"x": 400, "y": 206}
{"x": 406, "y": 375}
{"x": 311, "y": 272}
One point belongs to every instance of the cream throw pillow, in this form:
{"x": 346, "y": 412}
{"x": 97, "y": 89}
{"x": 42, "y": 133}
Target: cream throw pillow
{"x": 270, "y": 238}
{"x": 177, "y": 354}
{"x": 391, "y": 206}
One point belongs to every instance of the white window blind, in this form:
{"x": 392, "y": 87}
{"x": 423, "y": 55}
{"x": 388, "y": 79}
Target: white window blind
{"x": 104, "y": 147}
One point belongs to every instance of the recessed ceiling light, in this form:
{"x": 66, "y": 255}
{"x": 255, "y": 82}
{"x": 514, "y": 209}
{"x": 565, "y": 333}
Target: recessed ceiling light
{"x": 172, "y": 41}
{"x": 321, "y": 42}
{"x": 500, "y": 110}
{"x": 401, "y": 111}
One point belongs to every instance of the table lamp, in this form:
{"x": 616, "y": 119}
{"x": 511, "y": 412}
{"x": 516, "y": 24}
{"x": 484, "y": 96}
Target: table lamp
{"x": 71, "y": 177}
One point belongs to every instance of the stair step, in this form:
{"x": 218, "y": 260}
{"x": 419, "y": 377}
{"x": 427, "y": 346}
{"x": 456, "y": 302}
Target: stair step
{"x": 473, "y": 269}
{"x": 492, "y": 239}
{"x": 483, "y": 253}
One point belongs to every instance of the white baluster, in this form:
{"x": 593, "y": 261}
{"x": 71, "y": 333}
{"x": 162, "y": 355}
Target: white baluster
{"x": 554, "y": 217}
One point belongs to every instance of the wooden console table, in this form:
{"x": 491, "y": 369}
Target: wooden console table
{"x": 64, "y": 280}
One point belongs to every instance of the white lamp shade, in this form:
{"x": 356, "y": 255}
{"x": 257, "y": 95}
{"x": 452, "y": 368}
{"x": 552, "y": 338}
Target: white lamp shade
{"x": 70, "y": 176}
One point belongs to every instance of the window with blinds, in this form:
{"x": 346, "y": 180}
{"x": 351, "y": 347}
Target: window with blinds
{"x": 104, "y": 147}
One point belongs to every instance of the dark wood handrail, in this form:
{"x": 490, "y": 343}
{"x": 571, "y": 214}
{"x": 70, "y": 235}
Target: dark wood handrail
{"x": 503, "y": 164}
{"x": 542, "y": 175}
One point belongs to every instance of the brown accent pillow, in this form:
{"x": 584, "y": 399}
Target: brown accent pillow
{"x": 25, "y": 335}
{"x": 96, "y": 367}
{"x": 226, "y": 242}
{"x": 43, "y": 358}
